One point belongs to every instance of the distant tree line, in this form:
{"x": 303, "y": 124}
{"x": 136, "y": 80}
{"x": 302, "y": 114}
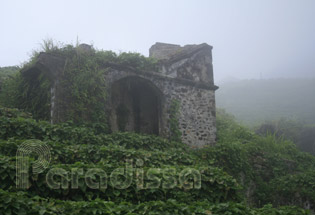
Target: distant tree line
{"x": 7, "y": 72}
{"x": 303, "y": 135}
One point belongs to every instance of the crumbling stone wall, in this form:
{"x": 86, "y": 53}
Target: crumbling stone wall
{"x": 186, "y": 75}
{"x": 140, "y": 101}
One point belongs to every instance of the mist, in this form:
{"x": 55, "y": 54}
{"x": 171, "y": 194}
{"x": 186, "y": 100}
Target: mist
{"x": 250, "y": 39}
{"x": 90, "y": 126}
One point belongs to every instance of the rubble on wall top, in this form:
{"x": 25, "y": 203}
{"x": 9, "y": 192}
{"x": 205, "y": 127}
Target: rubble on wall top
{"x": 165, "y": 51}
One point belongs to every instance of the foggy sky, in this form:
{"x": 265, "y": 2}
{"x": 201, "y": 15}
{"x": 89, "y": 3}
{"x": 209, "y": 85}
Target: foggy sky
{"x": 251, "y": 38}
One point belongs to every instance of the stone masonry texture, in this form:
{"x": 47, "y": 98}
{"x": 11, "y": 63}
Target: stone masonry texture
{"x": 139, "y": 101}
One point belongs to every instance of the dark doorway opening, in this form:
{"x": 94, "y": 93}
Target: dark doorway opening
{"x": 136, "y": 106}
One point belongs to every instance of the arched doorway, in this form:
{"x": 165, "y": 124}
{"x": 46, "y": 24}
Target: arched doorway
{"x": 136, "y": 106}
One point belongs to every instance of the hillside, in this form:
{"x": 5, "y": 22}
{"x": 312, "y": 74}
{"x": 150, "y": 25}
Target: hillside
{"x": 7, "y": 72}
{"x": 243, "y": 174}
{"x": 254, "y": 101}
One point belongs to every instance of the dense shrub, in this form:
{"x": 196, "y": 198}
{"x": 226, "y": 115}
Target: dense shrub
{"x": 243, "y": 174}
{"x": 21, "y": 203}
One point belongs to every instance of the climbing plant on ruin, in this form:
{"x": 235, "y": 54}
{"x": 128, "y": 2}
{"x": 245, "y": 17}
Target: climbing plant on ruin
{"x": 82, "y": 82}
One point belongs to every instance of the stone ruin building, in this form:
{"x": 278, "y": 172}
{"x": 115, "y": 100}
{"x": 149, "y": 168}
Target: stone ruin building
{"x": 185, "y": 74}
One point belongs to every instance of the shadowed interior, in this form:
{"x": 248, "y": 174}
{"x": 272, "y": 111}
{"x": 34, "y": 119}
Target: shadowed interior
{"x": 136, "y": 106}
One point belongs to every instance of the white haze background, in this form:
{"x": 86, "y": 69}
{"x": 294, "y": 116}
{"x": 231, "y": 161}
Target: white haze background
{"x": 251, "y": 38}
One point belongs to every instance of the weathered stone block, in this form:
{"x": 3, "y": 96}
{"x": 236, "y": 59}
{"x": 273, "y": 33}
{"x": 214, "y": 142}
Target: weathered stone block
{"x": 140, "y": 101}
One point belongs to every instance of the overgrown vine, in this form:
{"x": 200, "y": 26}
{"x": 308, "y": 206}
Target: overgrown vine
{"x": 82, "y": 83}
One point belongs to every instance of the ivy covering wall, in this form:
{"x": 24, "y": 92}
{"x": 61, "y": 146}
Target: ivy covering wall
{"x": 81, "y": 85}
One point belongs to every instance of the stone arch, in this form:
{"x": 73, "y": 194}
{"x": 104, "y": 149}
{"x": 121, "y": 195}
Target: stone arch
{"x": 136, "y": 106}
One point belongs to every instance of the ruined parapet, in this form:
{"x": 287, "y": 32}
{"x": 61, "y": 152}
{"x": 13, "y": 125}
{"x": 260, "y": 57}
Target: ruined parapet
{"x": 84, "y": 49}
{"x": 162, "y": 51}
{"x": 190, "y": 68}
{"x": 191, "y": 62}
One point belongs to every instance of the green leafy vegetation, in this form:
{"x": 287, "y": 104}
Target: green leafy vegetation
{"x": 7, "y": 72}
{"x": 82, "y": 86}
{"x": 243, "y": 174}
{"x": 281, "y": 107}
{"x": 9, "y": 82}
